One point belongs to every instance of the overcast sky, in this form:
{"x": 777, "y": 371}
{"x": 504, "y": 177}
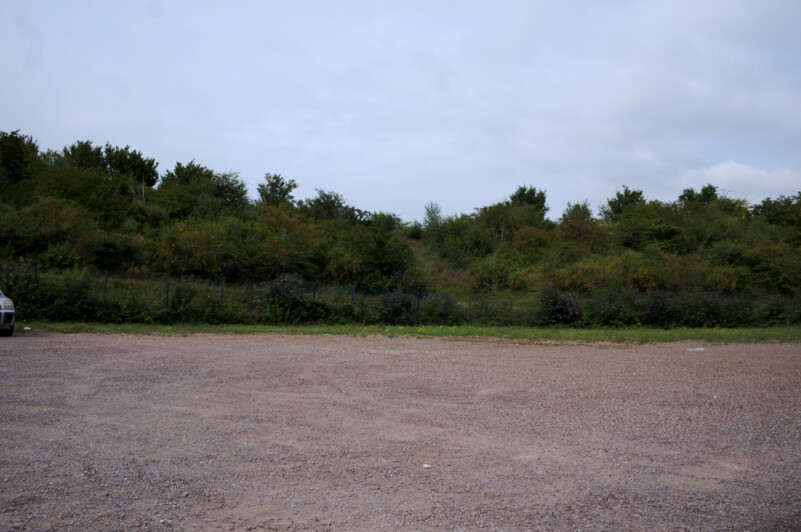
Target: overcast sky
{"x": 397, "y": 103}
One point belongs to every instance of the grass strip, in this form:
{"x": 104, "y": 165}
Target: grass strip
{"x": 624, "y": 335}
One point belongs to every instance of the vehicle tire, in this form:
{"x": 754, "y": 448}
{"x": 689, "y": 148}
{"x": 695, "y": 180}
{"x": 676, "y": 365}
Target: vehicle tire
{"x": 7, "y": 332}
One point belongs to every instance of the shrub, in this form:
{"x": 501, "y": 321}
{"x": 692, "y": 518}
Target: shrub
{"x": 655, "y": 309}
{"x": 414, "y": 230}
{"x": 706, "y": 309}
{"x": 399, "y": 308}
{"x": 285, "y": 301}
{"x": 434, "y": 308}
{"x": 490, "y": 273}
{"x": 577, "y": 277}
{"x": 558, "y": 308}
{"x": 483, "y": 312}
{"x": 612, "y": 309}
{"x": 123, "y": 311}
{"x": 58, "y": 256}
{"x": 67, "y": 298}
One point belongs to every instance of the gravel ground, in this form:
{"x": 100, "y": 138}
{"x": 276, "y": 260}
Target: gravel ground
{"x": 270, "y": 432}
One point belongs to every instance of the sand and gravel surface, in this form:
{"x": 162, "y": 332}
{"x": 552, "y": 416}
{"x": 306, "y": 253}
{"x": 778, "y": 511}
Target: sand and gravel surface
{"x": 272, "y": 432}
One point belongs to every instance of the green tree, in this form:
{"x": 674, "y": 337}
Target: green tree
{"x": 650, "y": 225}
{"x": 708, "y": 194}
{"x": 197, "y": 191}
{"x": 60, "y": 221}
{"x": 432, "y": 222}
{"x": 526, "y": 207}
{"x": 188, "y": 175}
{"x": 615, "y": 207}
{"x": 88, "y": 187}
{"x": 17, "y": 154}
{"x": 784, "y": 212}
{"x": 85, "y": 156}
{"x": 577, "y": 223}
{"x": 108, "y": 181}
{"x": 276, "y": 190}
{"x": 529, "y": 196}
{"x": 131, "y": 169}
{"x": 328, "y": 205}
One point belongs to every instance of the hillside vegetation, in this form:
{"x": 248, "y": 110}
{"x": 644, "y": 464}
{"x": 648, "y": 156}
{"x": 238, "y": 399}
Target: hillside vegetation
{"x": 108, "y": 208}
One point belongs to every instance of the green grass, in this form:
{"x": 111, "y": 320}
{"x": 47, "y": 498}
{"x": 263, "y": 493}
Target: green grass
{"x": 636, "y": 335}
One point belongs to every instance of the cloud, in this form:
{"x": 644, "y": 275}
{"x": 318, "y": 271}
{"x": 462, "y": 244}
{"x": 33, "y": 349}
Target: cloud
{"x": 394, "y": 104}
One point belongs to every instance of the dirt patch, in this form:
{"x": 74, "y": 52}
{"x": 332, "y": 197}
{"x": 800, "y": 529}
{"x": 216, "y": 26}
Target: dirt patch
{"x": 122, "y": 432}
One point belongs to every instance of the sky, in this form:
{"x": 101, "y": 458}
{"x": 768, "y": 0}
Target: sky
{"x": 394, "y": 104}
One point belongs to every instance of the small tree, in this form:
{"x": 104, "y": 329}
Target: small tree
{"x": 17, "y": 154}
{"x": 529, "y": 196}
{"x": 329, "y": 205}
{"x": 433, "y": 218}
{"x": 615, "y": 207}
{"x": 576, "y": 222}
{"x": 194, "y": 190}
{"x": 131, "y": 168}
{"x": 276, "y": 190}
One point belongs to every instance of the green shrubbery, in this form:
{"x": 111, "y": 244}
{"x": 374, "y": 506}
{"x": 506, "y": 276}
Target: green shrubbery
{"x": 702, "y": 260}
{"x": 76, "y": 295}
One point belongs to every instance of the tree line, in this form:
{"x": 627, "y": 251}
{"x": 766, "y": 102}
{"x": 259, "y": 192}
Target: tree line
{"x": 108, "y": 207}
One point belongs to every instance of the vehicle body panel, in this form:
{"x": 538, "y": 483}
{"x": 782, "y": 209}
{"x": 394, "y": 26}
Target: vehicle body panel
{"x": 7, "y": 315}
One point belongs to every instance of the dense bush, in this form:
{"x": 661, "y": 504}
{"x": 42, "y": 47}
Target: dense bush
{"x": 703, "y": 259}
{"x": 287, "y": 301}
{"x": 77, "y": 295}
{"x": 558, "y": 308}
{"x": 610, "y": 308}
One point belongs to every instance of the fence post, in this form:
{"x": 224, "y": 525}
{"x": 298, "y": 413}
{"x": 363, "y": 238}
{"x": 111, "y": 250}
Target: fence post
{"x": 222, "y": 290}
{"x": 105, "y": 288}
{"x": 167, "y": 292}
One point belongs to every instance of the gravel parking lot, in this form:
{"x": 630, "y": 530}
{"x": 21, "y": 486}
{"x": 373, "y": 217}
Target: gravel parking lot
{"x": 271, "y": 432}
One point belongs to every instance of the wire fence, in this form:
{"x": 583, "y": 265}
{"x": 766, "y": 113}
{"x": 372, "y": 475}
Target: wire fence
{"x": 86, "y": 295}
